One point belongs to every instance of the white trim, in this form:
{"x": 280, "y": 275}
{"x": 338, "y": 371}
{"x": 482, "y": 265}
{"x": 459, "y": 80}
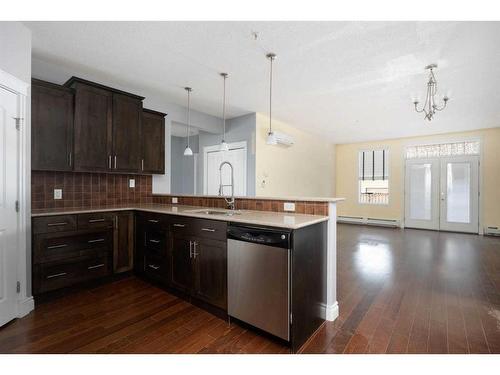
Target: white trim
{"x": 331, "y": 312}
{"x": 331, "y": 308}
{"x": 12, "y": 83}
{"x": 215, "y": 148}
{"x": 22, "y": 89}
{"x": 25, "y": 306}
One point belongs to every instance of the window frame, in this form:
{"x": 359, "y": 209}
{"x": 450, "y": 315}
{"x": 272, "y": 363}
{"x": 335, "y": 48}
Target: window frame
{"x": 387, "y": 153}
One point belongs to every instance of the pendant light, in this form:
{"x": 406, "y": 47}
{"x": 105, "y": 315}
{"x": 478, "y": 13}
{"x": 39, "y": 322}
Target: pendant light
{"x": 188, "y": 151}
{"x": 223, "y": 145}
{"x": 271, "y": 137}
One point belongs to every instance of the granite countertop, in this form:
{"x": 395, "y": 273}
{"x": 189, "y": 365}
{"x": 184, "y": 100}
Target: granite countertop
{"x": 265, "y": 218}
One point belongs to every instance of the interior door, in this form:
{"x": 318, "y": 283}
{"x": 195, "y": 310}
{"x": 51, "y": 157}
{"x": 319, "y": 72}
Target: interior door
{"x": 9, "y": 178}
{"x": 237, "y": 157}
{"x": 460, "y": 194}
{"x": 422, "y": 194}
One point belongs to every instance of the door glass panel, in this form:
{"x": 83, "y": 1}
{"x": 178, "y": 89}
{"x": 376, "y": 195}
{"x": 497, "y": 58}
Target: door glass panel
{"x": 458, "y": 187}
{"x": 420, "y": 192}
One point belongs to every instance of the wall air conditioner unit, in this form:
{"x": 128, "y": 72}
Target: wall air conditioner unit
{"x": 284, "y": 139}
{"x": 492, "y": 231}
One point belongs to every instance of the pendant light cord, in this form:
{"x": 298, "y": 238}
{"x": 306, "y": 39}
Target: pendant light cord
{"x": 271, "y": 57}
{"x": 224, "y": 75}
{"x": 188, "y": 114}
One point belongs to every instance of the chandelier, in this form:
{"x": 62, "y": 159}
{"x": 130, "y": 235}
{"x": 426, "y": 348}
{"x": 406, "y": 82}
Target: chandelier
{"x": 430, "y": 107}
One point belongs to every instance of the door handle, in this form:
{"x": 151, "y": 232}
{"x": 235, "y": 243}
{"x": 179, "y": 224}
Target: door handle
{"x": 115, "y": 161}
{"x": 109, "y": 161}
{"x": 142, "y": 164}
{"x": 190, "y": 249}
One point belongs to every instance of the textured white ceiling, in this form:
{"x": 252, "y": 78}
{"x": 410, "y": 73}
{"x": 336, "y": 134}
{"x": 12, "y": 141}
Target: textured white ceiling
{"x": 349, "y": 81}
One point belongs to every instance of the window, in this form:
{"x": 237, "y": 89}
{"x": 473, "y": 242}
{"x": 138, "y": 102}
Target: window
{"x": 374, "y": 177}
{"x": 443, "y": 149}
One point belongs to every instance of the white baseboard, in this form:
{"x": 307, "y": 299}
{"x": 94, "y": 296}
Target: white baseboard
{"x": 25, "y": 306}
{"x": 331, "y": 311}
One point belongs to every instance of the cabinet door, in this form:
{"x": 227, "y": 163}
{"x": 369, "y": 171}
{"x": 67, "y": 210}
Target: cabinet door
{"x": 123, "y": 245}
{"x": 210, "y": 264}
{"x": 153, "y": 143}
{"x": 182, "y": 273}
{"x": 51, "y": 127}
{"x": 127, "y": 114}
{"x": 93, "y": 114}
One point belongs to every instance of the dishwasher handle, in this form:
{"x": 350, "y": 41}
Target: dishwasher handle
{"x": 258, "y": 235}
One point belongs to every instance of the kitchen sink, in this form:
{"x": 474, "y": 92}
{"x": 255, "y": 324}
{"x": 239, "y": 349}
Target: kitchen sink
{"x": 216, "y": 212}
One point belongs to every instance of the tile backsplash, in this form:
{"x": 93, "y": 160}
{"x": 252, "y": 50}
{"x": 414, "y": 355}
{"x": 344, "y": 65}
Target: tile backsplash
{"x": 98, "y": 190}
{"x": 88, "y": 190}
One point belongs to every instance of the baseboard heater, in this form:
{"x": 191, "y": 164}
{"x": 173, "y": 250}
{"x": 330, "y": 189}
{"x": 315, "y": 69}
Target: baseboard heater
{"x": 393, "y": 223}
{"x": 492, "y": 231}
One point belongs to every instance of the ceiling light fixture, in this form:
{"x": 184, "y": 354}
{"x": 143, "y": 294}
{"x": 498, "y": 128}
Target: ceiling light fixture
{"x": 188, "y": 151}
{"x": 223, "y": 145}
{"x": 271, "y": 137}
{"x": 430, "y": 107}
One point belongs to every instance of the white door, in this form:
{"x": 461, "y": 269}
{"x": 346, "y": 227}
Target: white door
{"x": 8, "y": 196}
{"x": 238, "y": 158}
{"x": 422, "y": 194}
{"x": 460, "y": 194}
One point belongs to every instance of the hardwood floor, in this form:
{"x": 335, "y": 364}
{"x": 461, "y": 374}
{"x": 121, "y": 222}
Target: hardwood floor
{"x": 399, "y": 291}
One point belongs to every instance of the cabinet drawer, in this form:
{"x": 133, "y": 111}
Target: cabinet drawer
{"x": 156, "y": 268}
{"x": 155, "y": 243}
{"x": 211, "y": 229}
{"x": 57, "y": 276}
{"x": 152, "y": 220}
{"x": 96, "y": 220}
{"x": 51, "y": 247}
{"x": 95, "y": 268}
{"x": 51, "y": 224}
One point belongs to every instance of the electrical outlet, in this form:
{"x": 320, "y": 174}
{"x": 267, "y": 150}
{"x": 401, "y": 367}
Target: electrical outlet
{"x": 174, "y": 200}
{"x": 57, "y": 193}
{"x": 131, "y": 183}
{"x": 289, "y": 206}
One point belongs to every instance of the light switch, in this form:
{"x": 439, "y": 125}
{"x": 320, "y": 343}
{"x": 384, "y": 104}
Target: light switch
{"x": 289, "y": 206}
{"x": 57, "y": 193}
{"x": 174, "y": 200}
{"x": 131, "y": 183}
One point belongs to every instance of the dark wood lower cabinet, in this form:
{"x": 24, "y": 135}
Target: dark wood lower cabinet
{"x": 210, "y": 272}
{"x": 123, "y": 242}
{"x": 182, "y": 267}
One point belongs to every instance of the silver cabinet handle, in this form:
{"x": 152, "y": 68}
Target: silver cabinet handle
{"x": 56, "y": 275}
{"x": 70, "y": 157}
{"x": 179, "y": 225}
{"x": 154, "y": 267}
{"x": 97, "y": 240}
{"x": 56, "y": 246}
{"x": 155, "y": 241}
{"x": 208, "y": 229}
{"x": 109, "y": 161}
{"x": 142, "y": 164}
{"x": 115, "y": 161}
{"x": 96, "y": 266}
{"x": 194, "y": 249}
{"x": 96, "y": 220}
{"x": 153, "y": 221}
{"x": 190, "y": 249}
{"x": 116, "y": 221}
{"x": 56, "y": 224}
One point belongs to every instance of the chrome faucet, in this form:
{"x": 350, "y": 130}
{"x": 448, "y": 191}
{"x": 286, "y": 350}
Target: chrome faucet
{"x": 230, "y": 202}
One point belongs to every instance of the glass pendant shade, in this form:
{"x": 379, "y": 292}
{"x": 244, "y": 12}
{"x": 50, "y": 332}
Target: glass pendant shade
{"x": 224, "y": 146}
{"x": 271, "y": 139}
{"x": 188, "y": 151}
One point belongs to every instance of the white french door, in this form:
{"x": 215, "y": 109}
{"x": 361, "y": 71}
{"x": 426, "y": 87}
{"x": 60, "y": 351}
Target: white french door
{"x": 442, "y": 193}
{"x": 8, "y": 196}
{"x": 460, "y": 194}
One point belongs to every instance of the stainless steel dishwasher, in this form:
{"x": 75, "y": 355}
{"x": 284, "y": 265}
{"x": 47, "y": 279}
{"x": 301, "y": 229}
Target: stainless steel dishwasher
{"x": 258, "y": 262}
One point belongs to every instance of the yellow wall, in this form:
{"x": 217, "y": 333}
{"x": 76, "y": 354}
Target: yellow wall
{"x": 306, "y": 169}
{"x": 347, "y": 175}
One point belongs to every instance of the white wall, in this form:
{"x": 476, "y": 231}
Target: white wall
{"x": 15, "y": 59}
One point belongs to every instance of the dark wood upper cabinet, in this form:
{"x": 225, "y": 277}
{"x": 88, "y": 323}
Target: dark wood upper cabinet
{"x": 93, "y": 128}
{"x": 127, "y": 118}
{"x": 153, "y": 142}
{"x": 51, "y": 127}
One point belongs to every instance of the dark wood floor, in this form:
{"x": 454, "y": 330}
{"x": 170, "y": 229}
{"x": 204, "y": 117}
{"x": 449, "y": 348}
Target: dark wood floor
{"x": 399, "y": 291}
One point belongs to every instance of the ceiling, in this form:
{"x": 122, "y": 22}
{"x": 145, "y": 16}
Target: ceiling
{"x": 348, "y": 81}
